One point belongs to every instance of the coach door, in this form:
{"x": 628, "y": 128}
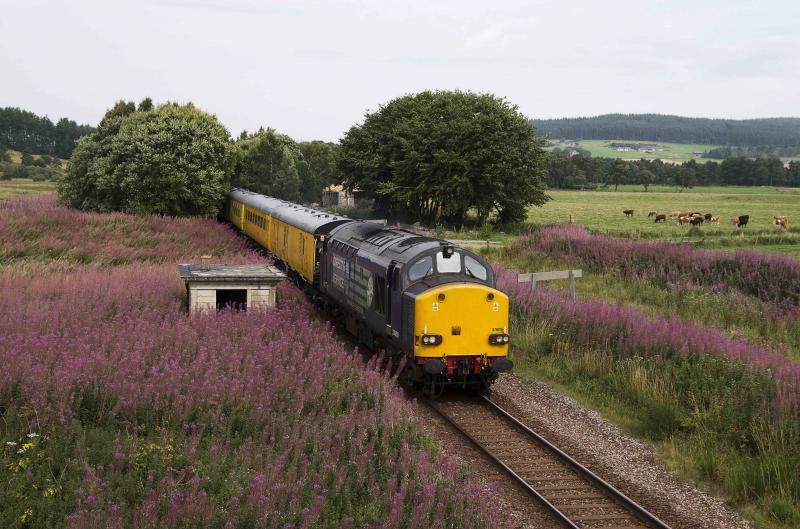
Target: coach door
{"x": 395, "y": 316}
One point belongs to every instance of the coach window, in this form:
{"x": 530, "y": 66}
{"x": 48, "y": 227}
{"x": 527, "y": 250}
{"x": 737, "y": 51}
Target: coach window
{"x": 420, "y": 269}
{"x": 475, "y": 269}
{"x": 448, "y": 265}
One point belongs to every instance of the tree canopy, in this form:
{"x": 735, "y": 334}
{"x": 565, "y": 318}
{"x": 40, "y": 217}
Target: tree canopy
{"x": 583, "y": 172}
{"x": 269, "y": 163}
{"x": 27, "y": 132}
{"x": 319, "y": 168}
{"x": 173, "y": 159}
{"x": 436, "y": 155}
{"x": 781, "y": 134}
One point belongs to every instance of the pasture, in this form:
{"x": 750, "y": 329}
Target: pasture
{"x": 601, "y": 212}
{"x": 673, "y": 152}
{"x": 20, "y": 186}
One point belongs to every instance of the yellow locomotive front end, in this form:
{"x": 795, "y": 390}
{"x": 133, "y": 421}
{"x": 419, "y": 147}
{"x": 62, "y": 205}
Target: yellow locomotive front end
{"x": 461, "y": 333}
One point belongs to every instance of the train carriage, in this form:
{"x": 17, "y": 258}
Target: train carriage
{"x": 420, "y": 297}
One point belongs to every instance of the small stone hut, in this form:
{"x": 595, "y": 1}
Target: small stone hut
{"x": 336, "y": 196}
{"x": 216, "y": 286}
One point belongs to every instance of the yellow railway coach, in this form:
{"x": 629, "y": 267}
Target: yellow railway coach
{"x": 291, "y": 232}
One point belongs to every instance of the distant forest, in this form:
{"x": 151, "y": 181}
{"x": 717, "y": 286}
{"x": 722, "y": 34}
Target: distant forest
{"x": 772, "y": 133}
{"x": 25, "y": 131}
{"x": 585, "y": 172}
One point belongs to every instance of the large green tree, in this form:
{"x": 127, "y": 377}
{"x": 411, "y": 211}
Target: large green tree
{"x": 269, "y": 163}
{"x": 173, "y": 160}
{"x": 319, "y": 168}
{"x": 439, "y": 154}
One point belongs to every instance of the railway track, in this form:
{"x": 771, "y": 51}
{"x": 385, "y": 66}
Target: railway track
{"x": 574, "y": 495}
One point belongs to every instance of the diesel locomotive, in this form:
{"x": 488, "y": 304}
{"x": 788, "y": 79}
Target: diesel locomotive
{"x": 416, "y": 297}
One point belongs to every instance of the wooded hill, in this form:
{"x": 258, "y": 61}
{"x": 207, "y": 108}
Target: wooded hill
{"x": 772, "y": 132}
{"x": 25, "y": 131}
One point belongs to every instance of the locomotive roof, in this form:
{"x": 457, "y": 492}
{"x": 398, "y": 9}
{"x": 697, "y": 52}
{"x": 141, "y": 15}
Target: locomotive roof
{"x": 385, "y": 244}
{"x": 307, "y": 219}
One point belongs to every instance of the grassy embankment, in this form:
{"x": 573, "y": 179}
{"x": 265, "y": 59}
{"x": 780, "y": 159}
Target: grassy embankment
{"x": 701, "y": 364}
{"x": 119, "y": 410}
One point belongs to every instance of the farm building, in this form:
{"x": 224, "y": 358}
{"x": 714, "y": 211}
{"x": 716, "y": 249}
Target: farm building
{"x": 336, "y": 196}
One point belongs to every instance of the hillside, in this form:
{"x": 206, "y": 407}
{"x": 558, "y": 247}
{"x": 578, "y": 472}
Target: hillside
{"x": 767, "y": 132}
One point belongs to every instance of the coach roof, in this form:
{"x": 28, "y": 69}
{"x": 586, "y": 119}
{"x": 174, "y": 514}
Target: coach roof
{"x": 307, "y": 219}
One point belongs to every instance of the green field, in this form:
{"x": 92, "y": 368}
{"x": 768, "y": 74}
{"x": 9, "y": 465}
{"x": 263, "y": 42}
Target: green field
{"x": 12, "y": 188}
{"x": 601, "y": 211}
{"x": 673, "y": 152}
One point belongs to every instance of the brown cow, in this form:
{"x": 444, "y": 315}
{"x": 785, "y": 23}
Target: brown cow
{"x": 684, "y": 219}
{"x": 781, "y": 220}
{"x": 714, "y": 219}
{"x": 697, "y": 220}
{"x": 628, "y": 212}
{"x": 708, "y": 217}
{"x": 661, "y": 218}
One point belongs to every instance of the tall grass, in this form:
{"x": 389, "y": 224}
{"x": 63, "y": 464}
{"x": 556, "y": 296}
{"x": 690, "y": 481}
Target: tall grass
{"x": 768, "y": 277}
{"x": 119, "y": 410}
{"x": 730, "y": 404}
{"x": 35, "y": 228}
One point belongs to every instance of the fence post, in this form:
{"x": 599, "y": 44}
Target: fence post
{"x": 572, "y": 285}
{"x": 533, "y": 285}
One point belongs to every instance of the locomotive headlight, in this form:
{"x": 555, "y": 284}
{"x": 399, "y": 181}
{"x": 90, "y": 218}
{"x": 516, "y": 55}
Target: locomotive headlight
{"x": 431, "y": 339}
{"x": 498, "y": 339}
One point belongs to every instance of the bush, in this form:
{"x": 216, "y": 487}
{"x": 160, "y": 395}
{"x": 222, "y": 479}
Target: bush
{"x": 173, "y": 160}
{"x": 13, "y": 170}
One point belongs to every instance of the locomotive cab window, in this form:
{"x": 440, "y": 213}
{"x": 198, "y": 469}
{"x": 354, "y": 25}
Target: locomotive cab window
{"x": 448, "y": 265}
{"x": 421, "y": 268}
{"x": 474, "y": 268}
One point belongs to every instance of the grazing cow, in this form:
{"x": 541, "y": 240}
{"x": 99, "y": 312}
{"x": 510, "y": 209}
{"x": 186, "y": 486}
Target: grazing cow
{"x": 714, "y": 219}
{"x": 651, "y": 214}
{"x": 661, "y": 218}
{"x": 781, "y": 220}
{"x": 628, "y": 212}
{"x": 708, "y": 216}
{"x": 741, "y": 222}
{"x": 684, "y": 219}
{"x": 696, "y": 221}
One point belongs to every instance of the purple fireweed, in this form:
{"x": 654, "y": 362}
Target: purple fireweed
{"x": 36, "y": 228}
{"x": 628, "y": 332}
{"x": 152, "y": 418}
{"x": 772, "y": 278}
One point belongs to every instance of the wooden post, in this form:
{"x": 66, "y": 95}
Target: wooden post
{"x": 533, "y": 286}
{"x": 572, "y": 285}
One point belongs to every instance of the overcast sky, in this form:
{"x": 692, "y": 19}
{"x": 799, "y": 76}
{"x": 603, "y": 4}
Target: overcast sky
{"x": 312, "y": 68}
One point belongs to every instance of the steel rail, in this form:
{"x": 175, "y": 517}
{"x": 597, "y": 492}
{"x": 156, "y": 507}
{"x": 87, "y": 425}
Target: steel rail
{"x": 621, "y": 499}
